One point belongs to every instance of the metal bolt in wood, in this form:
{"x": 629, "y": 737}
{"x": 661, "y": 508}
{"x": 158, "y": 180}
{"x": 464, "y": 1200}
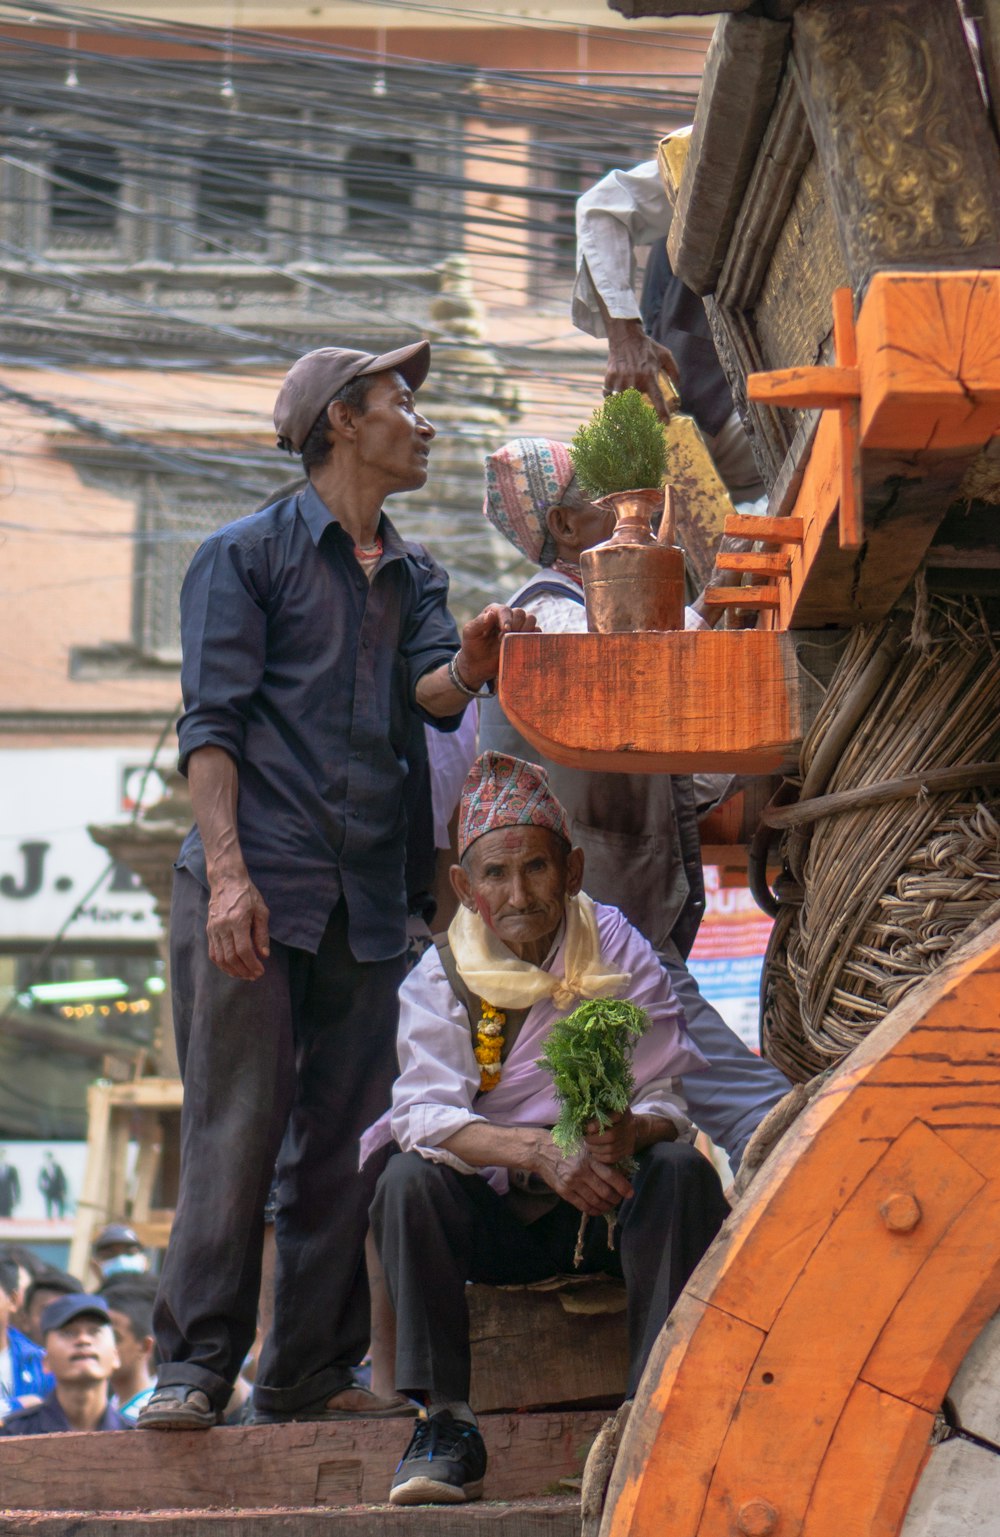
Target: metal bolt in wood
{"x": 900, "y": 1212}
{"x": 756, "y": 1518}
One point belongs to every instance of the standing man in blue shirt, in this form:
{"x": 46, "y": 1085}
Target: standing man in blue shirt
{"x": 310, "y": 632}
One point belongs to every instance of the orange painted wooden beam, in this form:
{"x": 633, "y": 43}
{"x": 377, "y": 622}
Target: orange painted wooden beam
{"x": 928, "y": 356}
{"x": 793, "y": 1389}
{"x": 845, "y": 344}
{"x": 757, "y": 565}
{"x": 743, "y": 597}
{"x": 765, "y": 530}
{"x": 833, "y": 387}
{"x": 659, "y": 703}
{"x": 925, "y": 354}
{"x": 929, "y": 359}
{"x": 819, "y": 388}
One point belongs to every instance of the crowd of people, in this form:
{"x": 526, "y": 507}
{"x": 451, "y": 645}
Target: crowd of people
{"x": 348, "y": 1077}
{"x": 72, "y": 1359}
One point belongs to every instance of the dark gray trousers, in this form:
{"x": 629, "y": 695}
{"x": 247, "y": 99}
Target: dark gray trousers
{"x": 436, "y": 1229}
{"x": 300, "y": 1061}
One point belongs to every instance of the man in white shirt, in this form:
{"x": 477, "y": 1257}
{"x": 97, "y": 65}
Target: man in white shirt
{"x": 667, "y": 330}
{"x": 480, "y": 1191}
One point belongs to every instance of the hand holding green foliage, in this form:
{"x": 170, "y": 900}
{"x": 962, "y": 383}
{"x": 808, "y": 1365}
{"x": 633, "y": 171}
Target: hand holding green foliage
{"x": 621, "y": 448}
{"x": 589, "y": 1054}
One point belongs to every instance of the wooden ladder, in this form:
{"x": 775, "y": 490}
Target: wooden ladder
{"x": 118, "y": 1114}
{"x": 763, "y": 571}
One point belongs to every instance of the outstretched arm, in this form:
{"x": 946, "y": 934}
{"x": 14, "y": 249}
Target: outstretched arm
{"x": 477, "y": 662}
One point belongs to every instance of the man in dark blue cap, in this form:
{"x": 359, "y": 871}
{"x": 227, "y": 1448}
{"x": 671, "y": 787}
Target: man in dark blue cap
{"x": 80, "y": 1353}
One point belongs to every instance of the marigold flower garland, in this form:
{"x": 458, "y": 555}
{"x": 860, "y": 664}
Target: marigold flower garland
{"x": 489, "y": 1046}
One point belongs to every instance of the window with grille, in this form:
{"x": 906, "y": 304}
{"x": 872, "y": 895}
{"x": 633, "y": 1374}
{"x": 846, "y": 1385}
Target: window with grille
{"x": 378, "y": 184}
{"x": 231, "y": 196}
{"x": 85, "y": 187}
{"x": 173, "y": 524}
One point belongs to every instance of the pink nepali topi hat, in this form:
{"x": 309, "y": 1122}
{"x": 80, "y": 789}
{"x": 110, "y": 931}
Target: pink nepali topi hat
{"x": 501, "y": 791}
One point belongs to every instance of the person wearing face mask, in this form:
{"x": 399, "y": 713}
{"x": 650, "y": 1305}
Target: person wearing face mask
{"x": 117, "y": 1251}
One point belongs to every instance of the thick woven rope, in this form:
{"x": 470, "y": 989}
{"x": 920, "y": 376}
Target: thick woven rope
{"x": 877, "y": 897}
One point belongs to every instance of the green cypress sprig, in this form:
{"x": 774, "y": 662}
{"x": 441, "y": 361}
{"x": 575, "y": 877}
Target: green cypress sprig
{"x": 589, "y": 1054}
{"x": 621, "y": 448}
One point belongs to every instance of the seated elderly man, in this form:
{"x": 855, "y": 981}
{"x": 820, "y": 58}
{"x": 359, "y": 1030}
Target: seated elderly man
{"x": 479, "y": 1190}
{"x": 639, "y": 832}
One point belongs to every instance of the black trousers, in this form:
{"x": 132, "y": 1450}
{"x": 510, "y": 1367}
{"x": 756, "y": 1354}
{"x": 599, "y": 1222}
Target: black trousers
{"x": 436, "y": 1229}
{"x": 291, "y": 1067}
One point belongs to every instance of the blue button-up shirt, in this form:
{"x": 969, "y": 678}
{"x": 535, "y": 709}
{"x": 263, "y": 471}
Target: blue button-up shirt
{"x": 48, "y": 1418}
{"x": 29, "y": 1379}
{"x": 305, "y": 674}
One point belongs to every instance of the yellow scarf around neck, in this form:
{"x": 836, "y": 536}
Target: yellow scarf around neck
{"x": 493, "y": 972}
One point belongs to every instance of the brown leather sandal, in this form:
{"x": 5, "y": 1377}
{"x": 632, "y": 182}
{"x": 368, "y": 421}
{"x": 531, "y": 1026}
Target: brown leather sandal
{"x": 178, "y": 1406}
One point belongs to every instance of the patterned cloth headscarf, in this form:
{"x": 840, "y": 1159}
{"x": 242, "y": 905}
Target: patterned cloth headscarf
{"x": 523, "y": 480}
{"x": 501, "y": 791}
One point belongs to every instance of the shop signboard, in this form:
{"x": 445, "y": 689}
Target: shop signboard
{"x": 53, "y": 877}
{"x": 728, "y": 954}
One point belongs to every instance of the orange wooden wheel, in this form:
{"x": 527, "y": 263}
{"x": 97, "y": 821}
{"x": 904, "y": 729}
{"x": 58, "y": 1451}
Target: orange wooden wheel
{"x": 793, "y": 1391}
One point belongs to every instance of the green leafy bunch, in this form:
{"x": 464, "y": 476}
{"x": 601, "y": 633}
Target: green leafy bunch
{"x": 621, "y": 448}
{"x": 589, "y": 1054}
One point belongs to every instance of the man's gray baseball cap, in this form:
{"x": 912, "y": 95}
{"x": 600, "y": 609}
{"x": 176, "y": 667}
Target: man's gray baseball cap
{"x": 311, "y": 383}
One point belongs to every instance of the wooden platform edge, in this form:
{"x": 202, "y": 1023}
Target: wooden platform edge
{"x": 297, "y": 1466}
{"x": 549, "y": 1516}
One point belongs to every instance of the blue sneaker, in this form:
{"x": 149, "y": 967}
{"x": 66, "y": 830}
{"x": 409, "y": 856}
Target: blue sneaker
{"x": 444, "y": 1464}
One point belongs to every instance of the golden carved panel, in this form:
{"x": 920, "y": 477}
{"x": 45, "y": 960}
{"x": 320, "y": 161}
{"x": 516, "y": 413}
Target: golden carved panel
{"x": 897, "y": 115}
{"x": 792, "y": 316}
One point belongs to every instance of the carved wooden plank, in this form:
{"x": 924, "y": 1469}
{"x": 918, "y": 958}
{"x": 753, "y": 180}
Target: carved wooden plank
{"x": 785, "y": 152}
{"x": 739, "y": 83}
{"x": 659, "y": 703}
{"x": 804, "y": 264}
{"x": 739, "y": 353}
{"x": 270, "y": 1466}
{"x": 554, "y": 1516}
{"x": 896, "y": 113}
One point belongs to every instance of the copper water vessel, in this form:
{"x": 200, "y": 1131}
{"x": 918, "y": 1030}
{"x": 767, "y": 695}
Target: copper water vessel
{"x": 633, "y": 581}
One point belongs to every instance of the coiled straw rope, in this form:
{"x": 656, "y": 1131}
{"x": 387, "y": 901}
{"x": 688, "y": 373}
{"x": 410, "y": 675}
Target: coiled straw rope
{"x": 882, "y": 882}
